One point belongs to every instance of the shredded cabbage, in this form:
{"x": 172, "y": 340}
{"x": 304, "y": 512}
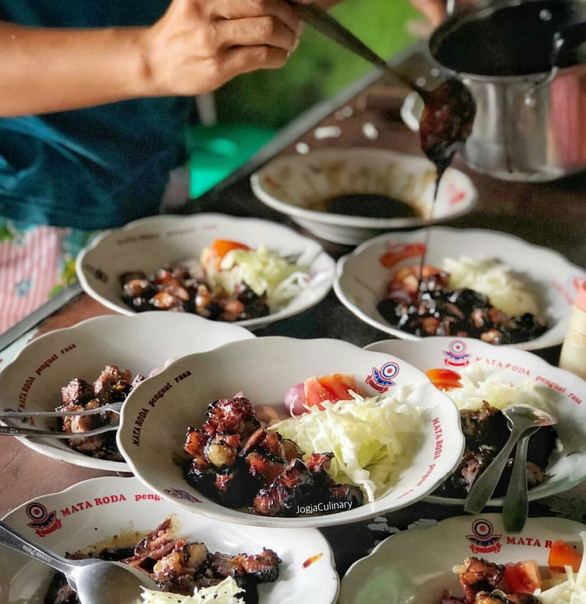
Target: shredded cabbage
{"x": 571, "y": 591}
{"x": 506, "y": 290}
{"x": 369, "y": 437}
{"x": 226, "y": 592}
{"x": 498, "y": 391}
{"x": 263, "y": 271}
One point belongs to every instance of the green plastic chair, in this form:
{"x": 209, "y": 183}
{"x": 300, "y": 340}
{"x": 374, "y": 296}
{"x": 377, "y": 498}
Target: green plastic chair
{"x": 216, "y": 151}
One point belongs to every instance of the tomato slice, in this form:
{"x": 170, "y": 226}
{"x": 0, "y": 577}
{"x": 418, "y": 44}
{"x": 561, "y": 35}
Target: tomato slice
{"x": 523, "y": 577}
{"x": 444, "y": 379}
{"x": 563, "y": 554}
{"x": 339, "y": 385}
{"x": 220, "y": 247}
{"x": 315, "y": 393}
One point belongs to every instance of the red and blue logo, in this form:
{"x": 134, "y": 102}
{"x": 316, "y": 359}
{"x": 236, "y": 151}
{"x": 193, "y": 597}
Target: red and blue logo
{"x": 483, "y": 540}
{"x": 43, "y": 522}
{"x": 457, "y": 354}
{"x": 382, "y": 379}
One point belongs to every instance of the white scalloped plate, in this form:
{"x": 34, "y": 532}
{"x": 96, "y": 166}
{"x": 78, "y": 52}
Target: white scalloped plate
{"x": 150, "y": 243}
{"x": 157, "y": 414}
{"x": 564, "y": 470}
{"x": 94, "y": 511}
{"x": 299, "y": 186}
{"x": 416, "y": 565}
{"x": 141, "y": 343}
{"x": 361, "y": 278}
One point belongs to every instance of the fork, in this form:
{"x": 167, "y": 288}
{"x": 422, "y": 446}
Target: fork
{"x": 29, "y": 431}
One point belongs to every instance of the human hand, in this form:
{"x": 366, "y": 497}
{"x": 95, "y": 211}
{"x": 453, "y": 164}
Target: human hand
{"x": 198, "y": 45}
{"x": 435, "y": 10}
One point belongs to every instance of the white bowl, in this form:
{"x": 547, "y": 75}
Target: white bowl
{"x": 361, "y": 279}
{"x": 33, "y": 381}
{"x": 151, "y": 243}
{"x": 155, "y": 418}
{"x": 299, "y": 186}
{"x": 416, "y": 565}
{"x": 565, "y": 470}
{"x": 94, "y": 511}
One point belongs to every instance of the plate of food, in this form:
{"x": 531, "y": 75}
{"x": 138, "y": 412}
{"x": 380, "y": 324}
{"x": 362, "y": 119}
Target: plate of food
{"x": 118, "y": 519}
{"x": 473, "y": 560}
{"x": 482, "y": 380}
{"x": 475, "y": 283}
{"x": 214, "y": 266}
{"x": 96, "y": 362}
{"x": 289, "y": 433}
{"x": 350, "y": 195}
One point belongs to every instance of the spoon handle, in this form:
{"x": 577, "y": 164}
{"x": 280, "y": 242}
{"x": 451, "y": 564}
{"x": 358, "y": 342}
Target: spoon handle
{"x": 485, "y": 485}
{"x": 323, "y": 22}
{"x": 36, "y": 433}
{"x": 14, "y": 540}
{"x": 515, "y": 506}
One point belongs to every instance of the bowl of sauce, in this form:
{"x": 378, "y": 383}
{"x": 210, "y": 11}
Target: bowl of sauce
{"x": 350, "y": 195}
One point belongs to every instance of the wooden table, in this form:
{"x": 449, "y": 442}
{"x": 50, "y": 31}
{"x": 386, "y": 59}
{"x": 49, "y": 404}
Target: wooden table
{"x": 552, "y": 215}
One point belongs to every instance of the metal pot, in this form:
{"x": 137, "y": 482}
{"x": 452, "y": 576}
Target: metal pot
{"x": 531, "y": 119}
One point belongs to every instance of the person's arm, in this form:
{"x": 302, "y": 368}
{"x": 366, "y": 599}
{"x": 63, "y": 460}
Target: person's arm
{"x": 195, "y": 47}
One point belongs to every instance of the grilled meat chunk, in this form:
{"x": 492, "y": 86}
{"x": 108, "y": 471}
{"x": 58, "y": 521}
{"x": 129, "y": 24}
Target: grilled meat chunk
{"x": 231, "y": 416}
{"x": 479, "y": 575}
{"x": 77, "y": 392}
{"x": 299, "y": 487}
{"x": 263, "y": 567}
{"x": 112, "y": 386}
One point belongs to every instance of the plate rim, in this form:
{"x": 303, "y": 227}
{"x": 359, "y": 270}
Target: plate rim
{"x": 110, "y": 479}
{"x": 259, "y": 322}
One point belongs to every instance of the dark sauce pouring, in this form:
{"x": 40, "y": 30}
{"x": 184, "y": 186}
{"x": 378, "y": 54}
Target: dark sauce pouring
{"x": 445, "y": 125}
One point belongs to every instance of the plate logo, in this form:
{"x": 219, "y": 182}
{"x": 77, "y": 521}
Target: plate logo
{"x": 382, "y": 379}
{"x": 43, "y": 522}
{"x": 457, "y": 354}
{"x": 483, "y": 539}
{"x": 184, "y": 495}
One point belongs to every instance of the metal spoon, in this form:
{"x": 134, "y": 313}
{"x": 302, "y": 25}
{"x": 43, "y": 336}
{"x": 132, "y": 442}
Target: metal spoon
{"x": 95, "y": 581}
{"x": 516, "y": 505}
{"x": 520, "y": 418}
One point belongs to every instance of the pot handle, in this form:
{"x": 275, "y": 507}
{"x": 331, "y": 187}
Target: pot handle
{"x": 566, "y": 49}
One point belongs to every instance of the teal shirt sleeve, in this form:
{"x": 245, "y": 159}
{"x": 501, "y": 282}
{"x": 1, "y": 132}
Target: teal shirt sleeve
{"x": 93, "y": 168}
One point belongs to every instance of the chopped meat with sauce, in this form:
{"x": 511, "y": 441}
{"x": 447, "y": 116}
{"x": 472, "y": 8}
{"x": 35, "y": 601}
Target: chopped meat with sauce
{"x": 241, "y": 465}
{"x": 427, "y": 307}
{"x": 179, "y": 289}
{"x": 112, "y": 386}
{"x": 486, "y": 432}
{"x": 484, "y": 582}
{"x": 478, "y": 575}
{"x": 180, "y": 566}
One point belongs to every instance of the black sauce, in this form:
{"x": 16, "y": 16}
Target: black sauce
{"x": 511, "y": 41}
{"x": 444, "y": 127}
{"x": 370, "y": 205}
